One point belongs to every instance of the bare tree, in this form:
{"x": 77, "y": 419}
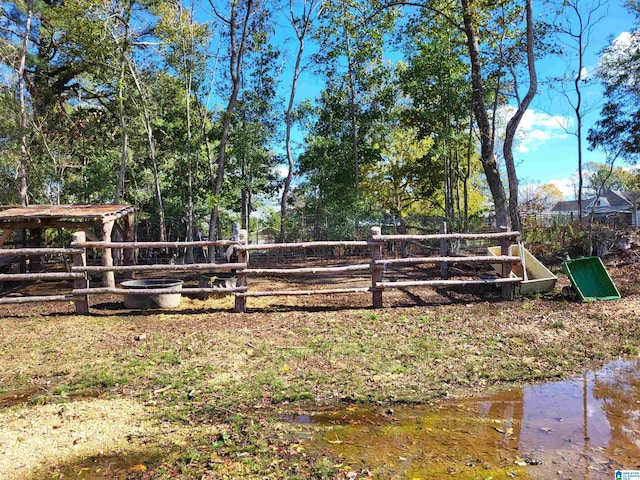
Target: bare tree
{"x": 574, "y": 26}
{"x": 301, "y": 24}
{"x": 239, "y": 28}
{"x": 146, "y": 117}
{"x": 24, "y": 153}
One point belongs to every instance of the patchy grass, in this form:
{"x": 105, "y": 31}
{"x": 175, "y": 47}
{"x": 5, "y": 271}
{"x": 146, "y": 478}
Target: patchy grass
{"x": 211, "y": 383}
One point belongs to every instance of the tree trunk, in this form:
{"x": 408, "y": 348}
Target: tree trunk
{"x": 487, "y": 156}
{"x": 513, "y": 123}
{"x": 288, "y": 123}
{"x": 124, "y": 153}
{"x": 24, "y": 154}
{"x": 236, "y": 50}
{"x": 152, "y": 153}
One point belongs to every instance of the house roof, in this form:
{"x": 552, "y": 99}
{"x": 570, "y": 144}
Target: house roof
{"x": 613, "y": 201}
{"x": 608, "y": 202}
{"x": 568, "y": 206}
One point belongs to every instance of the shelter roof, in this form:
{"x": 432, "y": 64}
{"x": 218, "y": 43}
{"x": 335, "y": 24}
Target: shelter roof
{"x": 63, "y": 213}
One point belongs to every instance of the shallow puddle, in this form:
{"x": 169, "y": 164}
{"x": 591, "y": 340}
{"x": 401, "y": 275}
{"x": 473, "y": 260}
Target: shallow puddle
{"x": 115, "y": 467}
{"x": 42, "y": 396}
{"x": 586, "y": 428}
{"x": 19, "y": 397}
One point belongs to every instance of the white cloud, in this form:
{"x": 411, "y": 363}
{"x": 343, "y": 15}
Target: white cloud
{"x": 584, "y": 74}
{"x": 281, "y": 170}
{"x": 617, "y": 60}
{"x": 535, "y": 128}
{"x": 566, "y": 186}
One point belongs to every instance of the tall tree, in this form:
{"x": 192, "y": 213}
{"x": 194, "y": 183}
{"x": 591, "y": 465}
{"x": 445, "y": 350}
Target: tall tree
{"x": 618, "y": 129}
{"x": 472, "y": 17}
{"x": 241, "y": 20}
{"x": 352, "y": 46}
{"x": 479, "y": 105}
{"x": 436, "y": 82}
{"x": 301, "y": 21}
{"x": 24, "y": 155}
{"x": 573, "y": 28}
{"x": 522, "y": 106}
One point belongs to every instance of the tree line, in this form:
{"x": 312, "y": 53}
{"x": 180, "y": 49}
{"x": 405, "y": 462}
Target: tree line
{"x": 321, "y": 114}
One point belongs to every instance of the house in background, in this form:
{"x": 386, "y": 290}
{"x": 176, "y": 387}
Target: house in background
{"x": 568, "y": 209}
{"x": 612, "y": 207}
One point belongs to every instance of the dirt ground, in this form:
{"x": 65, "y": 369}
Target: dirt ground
{"x": 120, "y": 382}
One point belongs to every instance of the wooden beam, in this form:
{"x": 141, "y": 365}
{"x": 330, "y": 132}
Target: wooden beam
{"x": 36, "y": 299}
{"x": 287, "y": 246}
{"x": 5, "y": 235}
{"x": 328, "y": 291}
{"x": 154, "y": 291}
{"x": 80, "y": 260}
{"x": 294, "y": 271}
{"x": 129, "y": 236}
{"x": 449, "y": 236}
{"x": 9, "y": 277}
{"x": 376, "y": 270}
{"x": 200, "y": 267}
{"x": 474, "y": 259}
{"x": 240, "y": 305}
{"x": 137, "y": 245}
{"x": 12, "y": 252}
{"x": 448, "y": 283}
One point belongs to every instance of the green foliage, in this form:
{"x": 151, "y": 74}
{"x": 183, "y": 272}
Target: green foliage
{"x": 618, "y": 129}
{"x": 601, "y": 177}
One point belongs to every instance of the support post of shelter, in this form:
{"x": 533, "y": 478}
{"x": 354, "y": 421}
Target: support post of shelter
{"x": 35, "y": 241}
{"x": 5, "y": 236}
{"x": 81, "y": 302}
{"x": 128, "y": 253}
{"x": 108, "y": 279}
{"x": 507, "y": 288}
{"x": 444, "y": 251}
{"x": 376, "y": 270}
{"x": 241, "y": 278}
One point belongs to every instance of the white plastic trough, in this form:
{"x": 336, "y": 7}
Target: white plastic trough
{"x": 537, "y": 277}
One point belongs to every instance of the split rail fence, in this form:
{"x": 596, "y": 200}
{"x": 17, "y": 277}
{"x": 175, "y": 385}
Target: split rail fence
{"x": 81, "y": 273}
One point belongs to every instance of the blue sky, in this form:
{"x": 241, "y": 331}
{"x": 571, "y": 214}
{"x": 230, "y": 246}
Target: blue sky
{"x": 547, "y": 152}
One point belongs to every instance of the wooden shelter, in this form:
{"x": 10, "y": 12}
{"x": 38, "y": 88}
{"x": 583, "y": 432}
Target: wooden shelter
{"x": 97, "y": 221}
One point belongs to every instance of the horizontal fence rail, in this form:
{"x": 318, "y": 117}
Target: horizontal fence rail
{"x": 80, "y": 272}
{"x": 15, "y": 253}
{"x": 187, "y": 267}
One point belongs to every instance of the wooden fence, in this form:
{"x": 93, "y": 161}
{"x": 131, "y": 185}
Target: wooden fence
{"x": 81, "y": 272}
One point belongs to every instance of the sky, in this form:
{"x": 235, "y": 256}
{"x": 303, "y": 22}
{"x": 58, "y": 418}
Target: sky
{"x": 547, "y": 151}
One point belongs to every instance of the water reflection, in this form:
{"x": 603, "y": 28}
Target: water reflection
{"x": 582, "y": 428}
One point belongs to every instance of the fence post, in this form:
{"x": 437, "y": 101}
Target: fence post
{"x": 376, "y": 270}
{"x": 505, "y": 243}
{"x": 241, "y": 278}
{"x": 81, "y": 302}
{"x": 444, "y": 251}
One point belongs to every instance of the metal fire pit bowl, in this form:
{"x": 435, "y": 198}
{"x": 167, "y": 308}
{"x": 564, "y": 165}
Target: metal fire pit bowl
{"x": 146, "y": 300}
